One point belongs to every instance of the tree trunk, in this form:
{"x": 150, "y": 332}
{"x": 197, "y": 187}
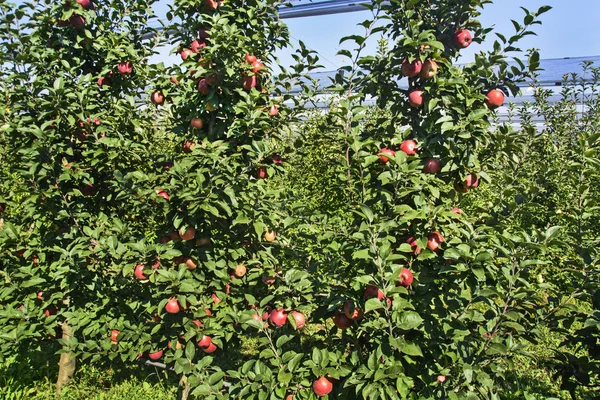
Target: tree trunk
{"x": 66, "y": 365}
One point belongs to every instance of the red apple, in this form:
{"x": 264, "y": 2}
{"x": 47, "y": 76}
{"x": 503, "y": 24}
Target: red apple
{"x": 249, "y": 82}
{"x": 262, "y": 173}
{"x": 188, "y": 233}
{"x": 196, "y": 45}
{"x": 429, "y": 70}
{"x": 212, "y": 78}
{"x": 434, "y": 240}
{"x": 105, "y": 80}
{"x": 172, "y": 306}
{"x": 411, "y": 69}
{"x": 351, "y": 311}
{"x": 203, "y": 87}
{"x": 269, "y": 280}
{"x": 415, "y": 98}
{"x": 87, "y": 4}
{"x": 322, "y": 386}
{"x": 257, "y": 66}
{"x": 77, "y": 22}
{"x": 203, "y": 33}
{"x": 273, "y": 111}
{"x": 341, "y": 321}
{"x": 188, "y": 146}
{"x": 441, "y": 378}
{"x": 471, "y": 181}
{"x": 270, "y": 236}
{"x": 373, "y": 291}
{"x": 385, "y": 152}
{"x": 211, "y": 348}
{"x": 125, "y": 68}
{"x": 409, "y": 147}
{"x": 413, "y": 243}
{"x": 250, "y": 58}
{"x": 495, "y": 98}
{"x": 267, "y": 313}
{"x": 432, "y": 166}
{"x": 113, "y": 336}
{"x": 299, "y": 318}
{"x": 215, "y": 298}
{"x": 277, "y": 159}
{"x": 240, "y": 270}
{"x": 211, "y": 4}
{"x": 462, "y": 39}
{"x": 190, "y": 263}
{"x": 205, "y": 342}
{"x": 174, "y": 80}
{"x": 456, "y": 210}
{"x": 139, "y": 272}
{"x": 163, "y": 194}
{"x": 278, "y": 317}
{"x": 156, "y": 355}
{"x": 198, "y": 323}
{"x": 51, "y": 310}
{"x": 39, "y": 295}
{"x": 157, "y": 97}
{"x": 406, "y": 278}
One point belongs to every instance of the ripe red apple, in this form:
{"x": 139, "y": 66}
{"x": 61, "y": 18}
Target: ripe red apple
{"x": 163, "y": 194}
{"x": 471, "y": 181}
{"x": 203, "y": 87}
{"x": 495, "y": 98}
{"x": 385, "y": 152}
{"x": 322, "y": 386}
{"x": 269, "y": 280}
{"x": 88, "y": 190}
{"x": 105, "y": 80}
{"x": 211, "y": 348}
{"x": 441, "y": 378}
{"x": 188, "y": 233}
{"x": 267, "y": 313}
{"x": 432, "y": 166}
{"x": 270, "y": 236}
{"x": 406, "y": 278}
{"x": 157, "y": 97}
{"x": 351, "y": 311}
{"x": 462, "y": 39}
{"x": 203, "y": 33}
{"x": 249, "y": 82}
{"x": 262, "y": 173}
{"x": 273, "y": 111}
{"x": 113, "y": 336}
{"x": 240, "y": 270}
{"x": 185, "y": 53}
{"x": 257, "y": 66}
{"x": 174, "y": 80}
{"x": 413, "y": 243}
{"x": 39, "y": 295}
{"x": 190, "y": 263}
{"x": 172, "y": 306}
{"x": 434, "y": 240}
{"x": 341, "y": 321}
{"x": 276, "y": 158}
{"x": 429, "y": 70}
{"x": 250, "y": 58}
{"x": 196, "y": 45}
{"x": 409, "y": 147}
{"x": 139, "y": 272}
{"x": 77, "y": 22}
{"x": 87, "y": 4}
{"x": 51, "y": 310}
{"x": 415, "y": 98}
{"x": 156, "y": 355}
{"x": 205, "y": 342}
{"x": 278, "y": 317}
{"x": 456, "y": 210}
{"x": 125, "y": 68}
{"x": 188, "y": 146}
{"x": 411, "y": 69}
{"x": 299, "y": 318}
{"x": 211, "y": 4}
{"x": 215, "y": 298}
{"x": 373, "y": 291}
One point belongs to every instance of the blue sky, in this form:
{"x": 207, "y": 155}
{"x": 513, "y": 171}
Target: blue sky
{"x": 570, "y": 29}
